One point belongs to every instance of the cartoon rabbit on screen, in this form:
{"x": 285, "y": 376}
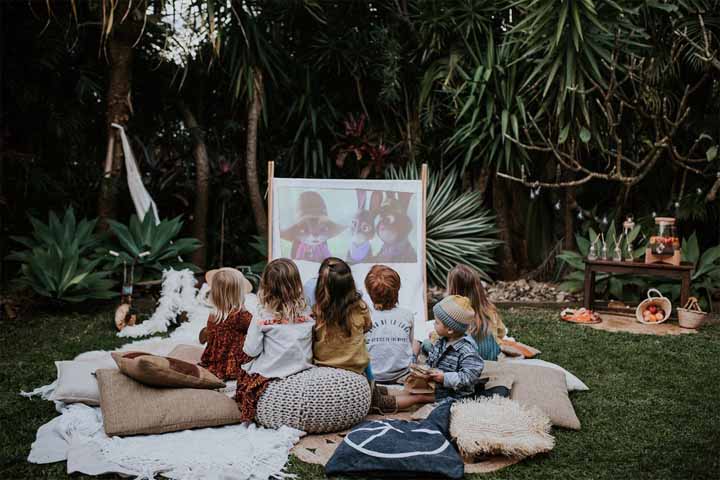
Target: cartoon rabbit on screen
{"x": 312, "y": 229}
{"x": 393, "y": 227}
{"x": 363, "y": 227}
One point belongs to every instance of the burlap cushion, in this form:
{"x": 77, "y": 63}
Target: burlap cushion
{"x": 131, "y": 408}
{"x": 499, "y": 426}
{"x": 316, "y": 400}
{"x": 188, "y": 353}
{"x": 544, "y": 388}
{"x": 164, "y": 371}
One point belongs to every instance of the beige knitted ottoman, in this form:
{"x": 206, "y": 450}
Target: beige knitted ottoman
{"x": 317, "y": 400}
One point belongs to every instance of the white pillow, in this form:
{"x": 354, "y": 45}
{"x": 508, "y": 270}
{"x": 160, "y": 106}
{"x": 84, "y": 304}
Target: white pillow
{"x": 76, "y": 381}
{"x": 574, "y": 384}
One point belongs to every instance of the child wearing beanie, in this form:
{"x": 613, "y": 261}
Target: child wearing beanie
{"x": 454, "y": 358}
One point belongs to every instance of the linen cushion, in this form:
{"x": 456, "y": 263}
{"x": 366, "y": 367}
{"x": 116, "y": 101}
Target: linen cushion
{"x": 131, "y": 408}
{"x": 542, "y": 387}
{"x": 574, "y": 383}
{"x": 164, "y": 371}
{"x": 76, "y": 381}
{"x": 499, "y": 426}
{"x": 384, "y": 448}
{"x": 316, "y": 400}
{"x": 188, "y": 353}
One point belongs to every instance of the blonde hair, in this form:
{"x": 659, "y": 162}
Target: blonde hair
{"x": 281, "y": 291}
{"x": 227, "y": 293}
{"x": 463, "y": 280}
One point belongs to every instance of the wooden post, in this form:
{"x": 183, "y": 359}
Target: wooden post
{"x": 270, "y": 176}
{"x": 589, "y": 294}
{"x": 423, "y": 180}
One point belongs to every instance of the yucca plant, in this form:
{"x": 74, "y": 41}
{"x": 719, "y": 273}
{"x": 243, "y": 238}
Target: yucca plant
{"x": 56, "y": 263}
{"x": 165, "y": 251}
{"x": 458, "y": 228}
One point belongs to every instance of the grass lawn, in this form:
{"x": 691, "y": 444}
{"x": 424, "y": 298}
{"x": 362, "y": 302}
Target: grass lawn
{"x": 653, "y": 409}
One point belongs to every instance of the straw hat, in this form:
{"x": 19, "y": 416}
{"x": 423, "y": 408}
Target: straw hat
{"x": 247, "y": 286}
{"x": 311, "y": 205}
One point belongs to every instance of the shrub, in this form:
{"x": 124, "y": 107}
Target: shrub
{"x": 56, "y": 262}
{"x": 458, "y": 228}
{"x": 166, "y": 251}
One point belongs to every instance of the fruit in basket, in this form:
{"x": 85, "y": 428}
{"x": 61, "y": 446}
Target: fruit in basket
{"x": 653, "y": 309}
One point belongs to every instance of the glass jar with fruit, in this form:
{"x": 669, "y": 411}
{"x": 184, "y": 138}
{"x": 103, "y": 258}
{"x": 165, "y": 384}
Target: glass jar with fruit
{"x": 665, "y": 241}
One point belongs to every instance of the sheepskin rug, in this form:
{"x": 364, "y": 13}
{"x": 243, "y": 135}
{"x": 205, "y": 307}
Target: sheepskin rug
{"x": 499, "y": 426}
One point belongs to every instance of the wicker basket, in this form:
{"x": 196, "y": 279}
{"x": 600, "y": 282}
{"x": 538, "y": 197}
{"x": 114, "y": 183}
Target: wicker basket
{"x": 659, "y": 301}
{"x": 691, "y": 316}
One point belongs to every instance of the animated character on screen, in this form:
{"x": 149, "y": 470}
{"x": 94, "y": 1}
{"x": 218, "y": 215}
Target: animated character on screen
{"x": 312, "y": 229}
{"x": 393, "y": 227}
{"x": 363, "y": 227}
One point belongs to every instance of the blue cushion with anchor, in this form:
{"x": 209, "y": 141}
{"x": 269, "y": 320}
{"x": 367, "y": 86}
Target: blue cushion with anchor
{"x": 400, "y": 447}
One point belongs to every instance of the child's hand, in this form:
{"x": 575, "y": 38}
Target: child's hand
{"x": 437, "y": 376}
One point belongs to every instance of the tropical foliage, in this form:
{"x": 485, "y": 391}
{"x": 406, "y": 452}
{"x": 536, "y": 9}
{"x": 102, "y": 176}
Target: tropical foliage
{"x": 554, "y": 113}
{"x": 57, "y": 260}
{"x": 151, "y": 247}
{"x": 458, "y": 228}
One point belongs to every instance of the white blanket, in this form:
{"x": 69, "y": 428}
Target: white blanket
{"x": 235, "y": 451}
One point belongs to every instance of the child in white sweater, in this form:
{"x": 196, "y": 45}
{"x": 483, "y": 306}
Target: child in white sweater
{"x": 280, "y": 334}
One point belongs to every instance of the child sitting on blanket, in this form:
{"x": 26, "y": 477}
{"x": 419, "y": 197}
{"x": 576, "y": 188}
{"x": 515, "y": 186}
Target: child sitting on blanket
{"x": 488, "y": 328}
{"x": 279, "y": 337}
{"x": 227, "y": 325}
{"x": 455, "y": 363}
{"x": 390, "y": 341}
{"x": 341, "y": 319}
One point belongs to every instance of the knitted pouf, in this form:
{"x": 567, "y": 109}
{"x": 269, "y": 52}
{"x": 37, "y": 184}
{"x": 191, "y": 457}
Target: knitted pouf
{"x": 316, "y": 400}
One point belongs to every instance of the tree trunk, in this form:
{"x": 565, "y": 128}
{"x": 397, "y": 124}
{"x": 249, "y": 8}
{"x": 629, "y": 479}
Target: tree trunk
{"x": 568, "y": 222}
{"x": 256, "y": 198}
{"x": 202, "y": 175}
{"x": 120, "y": 54}
{"x": 508, "y": 268}
{"x": 483, "y": 180}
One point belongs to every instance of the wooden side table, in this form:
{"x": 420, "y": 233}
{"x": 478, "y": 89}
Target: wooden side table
{"x": 682, "y": 272}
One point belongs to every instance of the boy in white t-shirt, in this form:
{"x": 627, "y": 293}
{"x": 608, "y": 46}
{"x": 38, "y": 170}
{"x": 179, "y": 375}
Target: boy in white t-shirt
{"x": 390, "y": 341}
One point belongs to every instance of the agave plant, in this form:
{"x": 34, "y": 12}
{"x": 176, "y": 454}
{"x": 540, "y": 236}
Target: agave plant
{"x": 56, "y": 263}
{"x": 57, "y": 233}
{"x": 458, "y": 229}
{"x": 165, "y": 251}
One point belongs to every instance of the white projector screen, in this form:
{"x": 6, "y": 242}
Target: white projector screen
{"x": 364, "y": 222}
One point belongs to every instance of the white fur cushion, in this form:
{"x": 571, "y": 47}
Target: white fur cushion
{"x": 499, "y": 426}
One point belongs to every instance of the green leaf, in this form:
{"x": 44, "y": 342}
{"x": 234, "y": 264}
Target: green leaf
{"x": 564, "y": 134}
{"x": 707, "y": 262}
{"x": 503, "y": 124}
{"x": 691, "y": 249}
{"x": 573, "y": 259}
{"x": 585, "y": 135}
{"x": 711, "y": 153}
